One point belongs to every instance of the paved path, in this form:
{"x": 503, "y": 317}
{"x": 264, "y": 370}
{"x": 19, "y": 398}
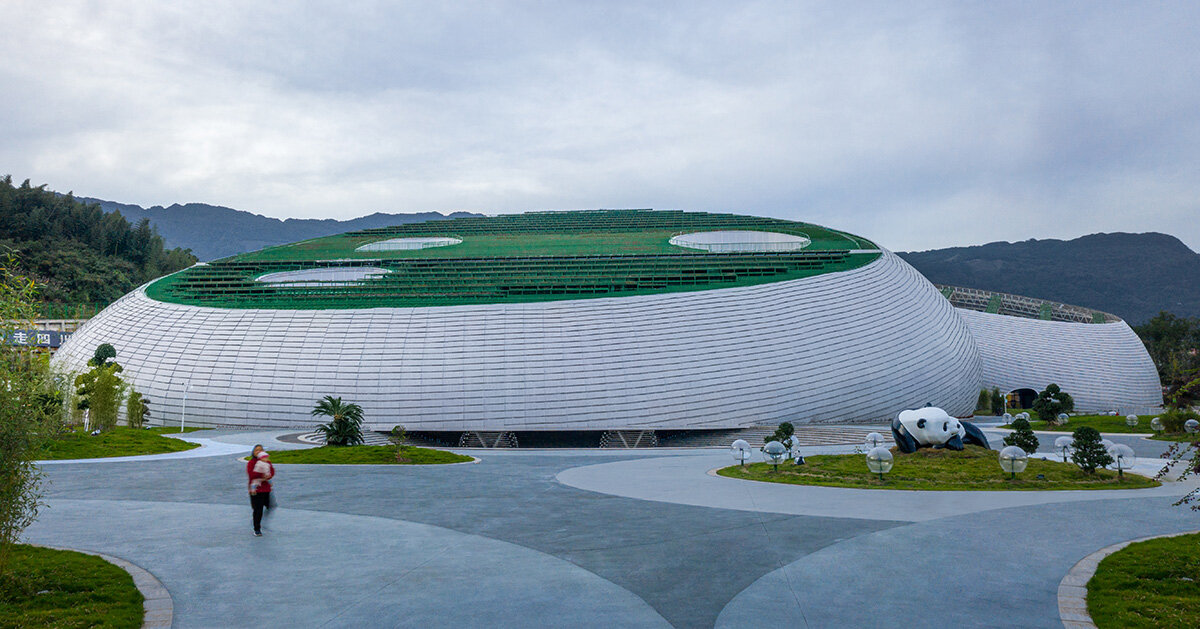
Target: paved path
{"x": 579, "y": 538}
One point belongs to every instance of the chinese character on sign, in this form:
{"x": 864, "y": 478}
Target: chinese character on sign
{"x": 63, "y": 336}
{"x": 20, "y": 338}
{"x": 43, "y": 338}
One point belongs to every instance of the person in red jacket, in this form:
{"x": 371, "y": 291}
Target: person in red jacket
{"x": 260, "y": 472}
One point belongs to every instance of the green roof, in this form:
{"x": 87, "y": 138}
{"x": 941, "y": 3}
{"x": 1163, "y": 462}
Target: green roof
{"x": 537, "y": 256}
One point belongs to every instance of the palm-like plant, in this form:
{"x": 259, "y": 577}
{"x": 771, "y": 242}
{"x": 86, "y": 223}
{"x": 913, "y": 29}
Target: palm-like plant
{"x": 345, "y": 425}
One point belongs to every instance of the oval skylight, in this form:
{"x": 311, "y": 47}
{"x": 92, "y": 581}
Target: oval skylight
{"x": 739, "y": 241}
{"x": 322, "y": 278}
{"x": 407, "y": 244}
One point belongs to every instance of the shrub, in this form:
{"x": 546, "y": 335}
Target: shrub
{"x": 983, "y": 404}
{"x": 1051, "y": 402}
{"x": 1022, "y": 436}
{"x": 397, "y": 437}
{"x": 997, "y": 402}
{"x": 1174, "y": 419}
{"x": 782, "y": 434}
{"x": 345, "y": 425}
{"x": 136, "y": 410}
{"x": 1089, "y": 453}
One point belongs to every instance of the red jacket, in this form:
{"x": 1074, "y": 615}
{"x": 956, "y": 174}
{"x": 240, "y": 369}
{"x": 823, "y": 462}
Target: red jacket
{"x": 264, "y": 485}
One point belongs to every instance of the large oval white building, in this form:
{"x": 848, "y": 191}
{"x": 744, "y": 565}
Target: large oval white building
{"x": 572, "y": 321}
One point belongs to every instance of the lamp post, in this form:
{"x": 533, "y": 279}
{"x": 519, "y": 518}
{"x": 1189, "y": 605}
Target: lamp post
{"x": 879, "y": 461}
{"x": 1123, "y": 457}
{"x": 1063, "y": 444}
{"x": 775, "y": 452}
{"x": 874, "y": 440}
{"x": 740, "y": 450}
{"x": 183, "y": 415}
{"x": 1013, "y": 460}
{"x": 1131, "y": 420}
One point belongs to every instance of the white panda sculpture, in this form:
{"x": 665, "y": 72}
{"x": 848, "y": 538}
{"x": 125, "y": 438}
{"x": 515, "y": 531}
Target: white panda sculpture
{"x": 932, "y": 426}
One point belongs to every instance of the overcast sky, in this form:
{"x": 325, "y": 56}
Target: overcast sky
{"x": 919, "y": 125}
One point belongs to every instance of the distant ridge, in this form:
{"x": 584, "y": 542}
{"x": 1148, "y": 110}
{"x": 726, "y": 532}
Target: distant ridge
{"x": 213, "y": 231}
{"x": 1133, "y": 276}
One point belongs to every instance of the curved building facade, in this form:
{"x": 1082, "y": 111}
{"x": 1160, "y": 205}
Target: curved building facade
{"x": 1103, "y": 366}
{"x": 852, "y": 346}
{"x": 575, "y": 321}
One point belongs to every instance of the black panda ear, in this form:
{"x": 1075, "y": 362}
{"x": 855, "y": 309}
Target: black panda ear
{"x": 921, "y": 423}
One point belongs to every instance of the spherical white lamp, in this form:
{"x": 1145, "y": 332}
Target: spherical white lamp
{"x": 775, "y": 452}
{"x": 1156, "y": 424}
{"x": 1131, "y": 420}
{"x": 1191, "y": 425}
{"x": 740, "y": 450}
{"x": 874, "y": 440}
{"x": 1063, "y": 445}
{"x": 1123, "y": 458}
{"x": 1107, "y": 443}
{"x": 880, "y": 461}
{"x": 1013, "y": 460}
{"x": 1008, "y": 418}
{"x": 1063, "y": 417}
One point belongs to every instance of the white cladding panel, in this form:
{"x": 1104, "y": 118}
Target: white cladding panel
{"x": 858, "y": 345}
{"x": 1103, "y": 366}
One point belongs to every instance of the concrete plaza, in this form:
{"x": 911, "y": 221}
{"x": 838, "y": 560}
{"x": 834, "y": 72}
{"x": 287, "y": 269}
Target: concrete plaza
{"x": 583, "y": 538}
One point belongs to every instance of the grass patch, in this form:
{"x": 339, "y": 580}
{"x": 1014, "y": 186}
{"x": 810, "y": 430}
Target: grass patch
{"x": 63, "y": 588}
{"x": 1110, "y": 424}
{"x": 120, "y": 441}
{"x": 367, "y": 455}
{"x": 928, "y": 469}
{"x": 1155, "y": 583}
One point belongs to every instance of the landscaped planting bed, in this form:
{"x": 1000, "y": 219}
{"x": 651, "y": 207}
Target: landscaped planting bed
{"x": 119, "y": 441}
{"x": 1155, "y": 583}
{"x": 367, "y": 455}
{"x": 932, "y": 469}
{"x": 62, "y": 588}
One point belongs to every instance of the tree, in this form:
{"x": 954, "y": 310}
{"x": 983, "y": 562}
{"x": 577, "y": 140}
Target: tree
{"x": 1089, "y": 453}
{"x": 1022, "y": 436}
{"x": 397, "y": 437}
{"x": 100, "y": 392}
{"x": 104, "y": 353}
{"x": 782, "y": 433}
{"x": 983, "y": 404}
{"x": 1174, "y": 345}
{"x": 345, "y": 425}
{"x": 136, "y": 409}
{"x": 997, "y": 401}
{"x": 27, "y": 411}
{"x": 1051, "y": 402}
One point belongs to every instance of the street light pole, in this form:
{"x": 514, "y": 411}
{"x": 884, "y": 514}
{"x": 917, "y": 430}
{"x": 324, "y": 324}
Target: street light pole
{"x": 183, "y": 415}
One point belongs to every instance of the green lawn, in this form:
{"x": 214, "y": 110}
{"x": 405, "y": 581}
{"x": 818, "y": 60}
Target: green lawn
{"x": 367, "y": 455}
{"x": 1155, "y": 583}
{"x": 971, "y": 469}
{"x": 1108, "y": 423}
{"x": 62, "y": 588}
{"x": 1102, "y": 423}
{"x": 119, "y": 441}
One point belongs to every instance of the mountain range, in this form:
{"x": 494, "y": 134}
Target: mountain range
{"x": 214, "y": 231}
{"x": 1133, "y": 276}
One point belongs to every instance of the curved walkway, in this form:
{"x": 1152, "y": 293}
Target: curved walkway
{"x": 581, "y": 538}
{"x": 684, "y": 480}
{"x": 424, "y": 575}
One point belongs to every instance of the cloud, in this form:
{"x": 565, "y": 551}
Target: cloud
{"x": 919, "y": 126}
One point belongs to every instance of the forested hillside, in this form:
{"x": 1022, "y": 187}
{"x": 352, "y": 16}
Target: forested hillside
{"x": 1133, "y": 276}
{"x": 214, "y": 231}
{"x": 79, "y": 253}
